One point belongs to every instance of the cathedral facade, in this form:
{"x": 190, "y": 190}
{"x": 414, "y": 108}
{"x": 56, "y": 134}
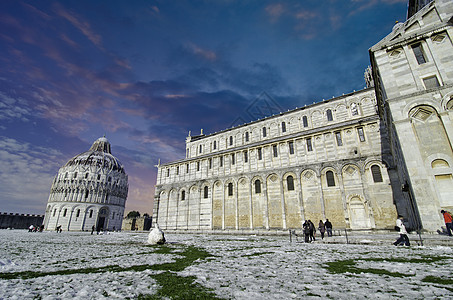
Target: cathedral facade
{"x": 357, "y": 160}
{"x": 89, "y": 190}
{"x": 321, "y": 161}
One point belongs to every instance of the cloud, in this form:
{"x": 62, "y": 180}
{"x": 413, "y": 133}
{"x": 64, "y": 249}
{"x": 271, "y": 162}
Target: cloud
{"x": 12, "y": 108}
{"x": 26, "y": 174}
{"x": 206, "y": 54}
{"x": 275, "y": 11}
{"x": 81, "y": 25}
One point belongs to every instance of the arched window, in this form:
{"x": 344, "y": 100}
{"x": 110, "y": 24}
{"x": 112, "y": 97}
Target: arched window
{"x": 54, "y": 212}
{"x": 354, "y": 109}
{"x": 283, "y": 127}
{"x": 183, "y": 195}
{"x": 230, "y": 189}
{"x": 246, "y": 136}
{"x": 231, "y": 141}
{"x": 376, "y": 172}
{"x": 264, "y": 132}
{"x": 257, "y": 186}
{"x": 215, "y": 145}
{"x": 206, "y": 192}
{"x": 86, "y": 193}
{"x": 75, "y": 175}
{"x": 329, "y": 115}
{"x": 64, "y": 212}
{"x": 91, "y": 213}
{"x": 330, "y": 178}
{"x": 201, "y": 149}
{"x": 86, "y": 175}
{"x": 78, "y": 213}
{"x": 110, "y": 179}
{"x": 305, "y": 121}
{"x": 290, "y": 183}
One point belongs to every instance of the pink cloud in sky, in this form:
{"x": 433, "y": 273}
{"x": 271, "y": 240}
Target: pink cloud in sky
{"x": 175, "y": 96}
{"x": 206, "y": 54}
{"x": 275, "y": 11}
{"x": 83, "y": 26}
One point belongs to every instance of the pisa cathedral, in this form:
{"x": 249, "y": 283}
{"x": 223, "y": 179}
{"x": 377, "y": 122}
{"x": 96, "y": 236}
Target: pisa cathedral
{"x": 89, "y": 190}
{"x": 357, "y": 160}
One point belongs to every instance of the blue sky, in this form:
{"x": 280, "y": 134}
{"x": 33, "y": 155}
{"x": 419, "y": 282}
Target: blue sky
{"x": 144, "y": 73}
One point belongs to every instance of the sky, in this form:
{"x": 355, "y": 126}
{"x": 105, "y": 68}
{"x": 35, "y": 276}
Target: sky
{"x": 145, "y": 73}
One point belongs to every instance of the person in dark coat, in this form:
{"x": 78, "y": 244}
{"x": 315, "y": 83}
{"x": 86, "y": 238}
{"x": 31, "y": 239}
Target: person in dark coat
{"x": 312, "y": 230}
{"x": 306, "y": 229}
{"x": 328, "y": 227}
{"x": 322, "y": 228}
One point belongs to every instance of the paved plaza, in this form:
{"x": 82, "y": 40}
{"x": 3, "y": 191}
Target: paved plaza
{"x": 52, "y": 265}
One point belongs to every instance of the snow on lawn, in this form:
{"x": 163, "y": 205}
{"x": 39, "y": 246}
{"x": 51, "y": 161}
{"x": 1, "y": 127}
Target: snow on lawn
{"x": 52, "y": 265}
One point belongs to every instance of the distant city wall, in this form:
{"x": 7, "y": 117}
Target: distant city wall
{"x": 19, "y": 221}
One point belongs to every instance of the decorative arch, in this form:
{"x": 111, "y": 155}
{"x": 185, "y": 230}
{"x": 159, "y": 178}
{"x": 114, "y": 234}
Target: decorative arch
{"x": 217, "y": 204}
{"x": 243, "y": 202}
{"x": 447, "y": 102}
{"x": 359, "y": 215}
{"x": 274, "y": 199}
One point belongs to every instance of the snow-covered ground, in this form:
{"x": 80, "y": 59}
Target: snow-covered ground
{"x": 52, "y": 265}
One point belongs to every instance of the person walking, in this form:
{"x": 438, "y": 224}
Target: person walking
{"x": 312, "y": 230}
{"x": 448, "y": 221}
{"x": 306, "y": 229}
{"x": 322, "y": 228}
{"x": 328, "y": 227}
{"x": 403, "y": 239}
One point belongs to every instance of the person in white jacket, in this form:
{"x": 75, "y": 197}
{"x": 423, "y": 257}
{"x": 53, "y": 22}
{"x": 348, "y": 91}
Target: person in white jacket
{"x": 403, "y": 239}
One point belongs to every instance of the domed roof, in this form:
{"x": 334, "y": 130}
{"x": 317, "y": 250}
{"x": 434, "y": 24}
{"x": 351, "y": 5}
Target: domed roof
{"x": 99, "y": 155}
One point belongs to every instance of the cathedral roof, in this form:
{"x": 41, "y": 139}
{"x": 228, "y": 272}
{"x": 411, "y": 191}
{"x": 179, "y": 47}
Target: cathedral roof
{"x": 99, "y": 155}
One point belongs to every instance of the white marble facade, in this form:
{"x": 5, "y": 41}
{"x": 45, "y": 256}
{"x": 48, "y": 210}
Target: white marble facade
{"x": 357, "y": 159}
{"x": 89, "y": 190}
{"x": 321, "y": 161}
{"x": 414, "y": 68}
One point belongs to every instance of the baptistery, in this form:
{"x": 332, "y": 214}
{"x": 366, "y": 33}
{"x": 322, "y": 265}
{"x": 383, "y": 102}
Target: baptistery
{"x": 89, "y": 192}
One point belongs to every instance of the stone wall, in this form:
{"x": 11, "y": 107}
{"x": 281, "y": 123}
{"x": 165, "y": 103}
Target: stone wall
{"x": 19, "y": 221}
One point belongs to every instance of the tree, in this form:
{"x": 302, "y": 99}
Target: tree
{"x": 146, "y": 214}
{"x": 133, "y": 214}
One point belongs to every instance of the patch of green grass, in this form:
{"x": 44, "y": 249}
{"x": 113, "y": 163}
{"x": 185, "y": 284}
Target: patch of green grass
{"x": 178, "y": 287}
{"x": 439, "y": 280}
{"x": 422, "y": 259}
{"x": 345, "y": 266}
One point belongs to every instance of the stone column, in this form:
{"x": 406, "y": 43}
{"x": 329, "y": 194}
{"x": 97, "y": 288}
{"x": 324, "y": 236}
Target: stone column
{"x": 237, "y": 205}
{"x": 343, "y": 199}
{"x": 282, "y": 189}
{"x": 266, "y": 204}
{"x": 300, "y": 198}
{"x": 251, "y": 204}
{"x": 321, "y": 196}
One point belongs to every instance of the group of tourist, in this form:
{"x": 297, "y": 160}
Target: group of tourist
{"x": 310, "y": 230}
